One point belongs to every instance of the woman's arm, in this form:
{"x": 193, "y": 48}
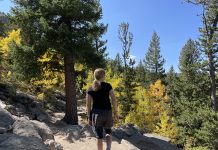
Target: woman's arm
{"x": 114, "y": 103}
{"x": 88, "y": 104}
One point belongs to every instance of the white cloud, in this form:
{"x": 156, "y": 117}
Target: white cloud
{"x": 132, "y": 56}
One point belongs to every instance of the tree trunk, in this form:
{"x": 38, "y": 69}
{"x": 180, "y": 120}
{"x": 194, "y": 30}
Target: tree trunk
{"x": 71, "y": 116}
{"x": 213, "y": 85}
{"x": 212, "y": 67}
{"x": 211, "y": 33}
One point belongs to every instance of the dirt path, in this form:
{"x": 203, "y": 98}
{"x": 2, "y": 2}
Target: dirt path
{"x": 88, "y": 143}
{"x": 85, "y": 144}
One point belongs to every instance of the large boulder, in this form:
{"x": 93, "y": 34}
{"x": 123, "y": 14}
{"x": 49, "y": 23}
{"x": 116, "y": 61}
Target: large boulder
{"x": 87, "y": 131}
{"x": 59, "y": 95}
{"x": 24, "y": 98}
{"x": 128, "y": 145}
{"x": 2, "y": 104}
{"x": 43, "y": 130}
{"x": 53, "y": 145}
{"x": 17, "y": 109}
{"x": 6, "y": 120}
{"x": 24, "y": 127}
{"x": 125, "y": 131}
{"x": 10, "y": 141}
{"x": 147, "y": 143}
{"x": 72, "y": 132}
{"x": 37, "y": 112}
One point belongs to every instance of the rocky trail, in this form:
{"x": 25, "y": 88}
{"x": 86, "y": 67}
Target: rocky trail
{"x": 25, "y": 124}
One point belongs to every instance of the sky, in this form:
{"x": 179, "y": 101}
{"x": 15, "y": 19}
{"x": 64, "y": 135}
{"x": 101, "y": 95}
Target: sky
{"x": 174, "y": 21}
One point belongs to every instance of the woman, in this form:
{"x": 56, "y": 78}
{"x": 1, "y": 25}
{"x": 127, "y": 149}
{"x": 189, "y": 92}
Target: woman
{"x": 100, "y": 116}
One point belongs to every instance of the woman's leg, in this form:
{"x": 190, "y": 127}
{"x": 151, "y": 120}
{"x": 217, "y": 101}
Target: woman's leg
{"x": 108, "y": 137}
{"x": 108, "y": 141}
{"x": 100, "y": 144}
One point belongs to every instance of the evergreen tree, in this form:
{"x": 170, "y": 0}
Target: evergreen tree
{"x": 3, "y": 21}
{"x": 22, "y": 69}
{"x": 140, "y": 73}
{"x": 99, "y": 54}
{"x": 193, "y": 81}
{"x": 128, "y": 84}
{"x": 154, "y": 61}
{"x": 70, "y": 27}
{"x": 172, "y": 87}
{"x": 189, "y": 61}
{"x": 117, "y": 65}
{"x": 193, "y": 100}
{"x": 209, "y": 42}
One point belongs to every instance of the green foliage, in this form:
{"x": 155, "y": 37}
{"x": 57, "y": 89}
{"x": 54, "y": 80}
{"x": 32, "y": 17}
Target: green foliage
{"x": 116, "y": 64}
{"x": 198, "y": 128}
{"x": 192, "y": 110}
{"x": 69, "y": 27}
{"x": 173, "y": 88}
{"x": 141, "y": 74}
{"x": 22, "y": 61}
{"x": 209, "y": 43}
{"x": 3, "y": 22}
{"x": 153, "y": 61}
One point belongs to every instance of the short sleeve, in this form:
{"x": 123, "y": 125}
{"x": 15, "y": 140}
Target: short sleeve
{"x": 109, "y": 87}
{"x": 89, "y": 91}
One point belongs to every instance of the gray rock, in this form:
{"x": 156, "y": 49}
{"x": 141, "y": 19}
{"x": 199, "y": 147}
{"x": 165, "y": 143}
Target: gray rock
{"x": 59, "y": 95}
{"x": 24, "y": 127}
{"x": 128, "y": 145}
{"x": 6, "y": 118}
{"x": 15, "y": 142}
{"x": 130, "y": 130}
{"x": 157, "y": 137}
{"x": 37, "y": 112}
{"x": 143, "y": 143}
{"x": 2, "y": 104}
{"x": 20, "y": 109}
{"x": 87, "y": 131}
{"x": 3, "y": 97}
{"x": 3, "y": 130}
{"x": 73, "y": 132}
{"x": 43, "y": 130}
{"x": 53, "y": 145}
{"x": 146, "y": 143}
{"x": 125, "y": 131}
{"x": 11, "y": 109}
{"x": 118, "y": 133}
{"x": 24, "y": 98}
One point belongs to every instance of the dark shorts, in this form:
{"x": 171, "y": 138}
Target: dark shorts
{"x": 101, "y": 121}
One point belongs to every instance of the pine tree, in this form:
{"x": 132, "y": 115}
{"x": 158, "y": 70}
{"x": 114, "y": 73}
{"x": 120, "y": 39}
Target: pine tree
{"x": 209, "y": 42}
{"x": 70, "y": 27}
{"x": 154, "y": 61}
{"x": 140, "y": 73}
{"x": 193, "y": 100}
{"x": 117, "y": 65}
{"x": 3, "y": 21}
{"x": 172, "y": 87}
{"x": 193, "y": 85}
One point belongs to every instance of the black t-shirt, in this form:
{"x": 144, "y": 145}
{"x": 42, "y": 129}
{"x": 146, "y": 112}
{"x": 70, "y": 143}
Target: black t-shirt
{"x": 101, "y": 98}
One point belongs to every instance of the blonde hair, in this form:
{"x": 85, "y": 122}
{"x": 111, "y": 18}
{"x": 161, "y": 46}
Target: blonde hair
{"x": 98, "y": 75}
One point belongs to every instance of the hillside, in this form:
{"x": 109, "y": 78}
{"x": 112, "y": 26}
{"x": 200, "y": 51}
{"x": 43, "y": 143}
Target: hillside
{"x": 26, "y": 124}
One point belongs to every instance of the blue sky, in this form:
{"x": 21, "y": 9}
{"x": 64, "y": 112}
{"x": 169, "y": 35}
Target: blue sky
{"x": 174, "y": 21}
